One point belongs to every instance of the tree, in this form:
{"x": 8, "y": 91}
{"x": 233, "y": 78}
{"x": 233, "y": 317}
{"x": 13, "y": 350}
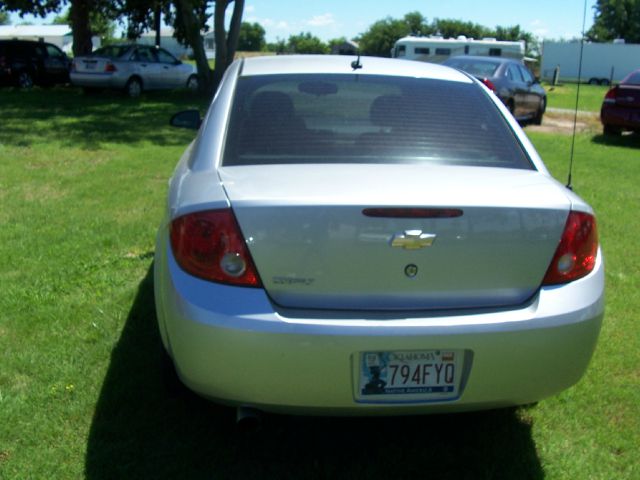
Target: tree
{"x": 100, "y": 24}
{"x": 383, "y": 34}
{"x": 616, "y": 19}
{"x": 80, "y": 13}
{"x": 449, "y": 28}
{"x": 251, "y": 38}
{"x": 4, "y": 18}
{"x": 306, "y": 43}
{"x": 189, "y": 18}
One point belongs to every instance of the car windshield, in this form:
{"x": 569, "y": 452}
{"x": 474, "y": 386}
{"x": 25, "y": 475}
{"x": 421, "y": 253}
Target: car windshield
{"x": 355, "y": 118}
{"x": 477, "y": 67}
{"x": 111, "y": 51}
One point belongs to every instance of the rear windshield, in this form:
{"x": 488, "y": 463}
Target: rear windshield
{"x": 278, "y": 119}
{"x": 475, "y": 67}
{"x": 111, "y": 51}
{"x": 632, "y": 79}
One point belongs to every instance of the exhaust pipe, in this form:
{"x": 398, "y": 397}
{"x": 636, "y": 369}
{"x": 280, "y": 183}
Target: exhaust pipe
{"x": 248, "y": 419}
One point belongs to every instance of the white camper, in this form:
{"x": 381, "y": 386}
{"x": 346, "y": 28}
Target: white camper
{"x": 602, "y": 63}
{"x": 437, "y": 49}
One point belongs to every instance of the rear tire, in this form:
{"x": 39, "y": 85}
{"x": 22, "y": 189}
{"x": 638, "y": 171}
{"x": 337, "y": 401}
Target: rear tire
{"x": 537, "y": 119}
{"x": 611, "y": 130}
{"x": 25, "y": 80}
{"x": 133, "y": 88}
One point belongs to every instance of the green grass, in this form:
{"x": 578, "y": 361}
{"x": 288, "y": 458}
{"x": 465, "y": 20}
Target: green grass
{"x": 82, "y": 186}
{"x": 564, "y": 96}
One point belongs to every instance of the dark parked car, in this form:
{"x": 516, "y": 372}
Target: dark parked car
{"x": 25, "y": 63}
{"x": 621, "y": 106}
{"x": 511, "y": 81}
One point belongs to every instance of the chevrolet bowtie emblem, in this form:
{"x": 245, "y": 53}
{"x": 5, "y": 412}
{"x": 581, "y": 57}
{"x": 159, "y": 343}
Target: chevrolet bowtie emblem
{"x": 413, "y": 239}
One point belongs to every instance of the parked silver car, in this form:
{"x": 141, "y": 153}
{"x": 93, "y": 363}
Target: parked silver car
{"x": 511, "y": 81}
{"x": 372, "y": 236}
{"x": 132, "y": 68}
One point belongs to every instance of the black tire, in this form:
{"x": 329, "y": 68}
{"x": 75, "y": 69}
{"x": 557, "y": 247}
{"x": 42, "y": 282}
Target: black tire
{"x": 133, "y": 88}
{"x": 611, "y": 130}
{"x": 24, "y": 80}
{"x": 537, "y": 119}
{"x": 511, "y": 106}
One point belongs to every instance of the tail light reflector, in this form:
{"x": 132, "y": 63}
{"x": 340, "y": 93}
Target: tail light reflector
{"x": 211, "y": 246}
{"x": 575, "y": 256}
{"x": 489, "y": 84}
{"x": 610, "y": 97}
{"x": 110, "y": 67}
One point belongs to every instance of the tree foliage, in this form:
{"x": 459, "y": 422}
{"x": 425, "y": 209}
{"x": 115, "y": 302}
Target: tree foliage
{"x": 4, "y": 18}
{"x": 616, "y": 19}
{"x": 306, "y": 43}
{"x": 383, "y": 34}
{"x": 251, "y": 38}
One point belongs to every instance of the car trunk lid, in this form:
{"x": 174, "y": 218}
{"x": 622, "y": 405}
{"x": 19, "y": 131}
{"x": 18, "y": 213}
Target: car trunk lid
{"x": 314, "y": 246}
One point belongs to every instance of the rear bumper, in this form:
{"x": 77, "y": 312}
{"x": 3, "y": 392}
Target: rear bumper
{"x": 231, "y": 345}
{"x": 97, "y": 80}
{"x": 623, "y": 117}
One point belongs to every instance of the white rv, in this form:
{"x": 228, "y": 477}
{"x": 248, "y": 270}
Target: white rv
{"x": 601, "y": 62}
{"x": 437, "y": 49}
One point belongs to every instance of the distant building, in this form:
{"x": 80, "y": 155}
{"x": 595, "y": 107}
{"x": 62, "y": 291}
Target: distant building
{"x": 345, "y": 48}
{"x": 59, "y": 35}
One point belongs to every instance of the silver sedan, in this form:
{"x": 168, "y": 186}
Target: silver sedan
{"x": 371, "y": 236}
{"x": 132, "y": 68}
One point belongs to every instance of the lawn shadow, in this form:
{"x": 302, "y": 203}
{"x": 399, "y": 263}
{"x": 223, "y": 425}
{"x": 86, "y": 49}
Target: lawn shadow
{"x": 141, "y": 431}
{"x": 629, "y": 140}
{"x": 65, "y": 115}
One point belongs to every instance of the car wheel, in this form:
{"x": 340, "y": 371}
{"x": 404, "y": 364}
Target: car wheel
{"x": 133, "y": 88}
{"x": 611, "y": 130}
{"x": 25, "y": 80}
{"x": 511, "y": 106}
{"x": 192, "y": 83}
{"x": 537, "y": 119}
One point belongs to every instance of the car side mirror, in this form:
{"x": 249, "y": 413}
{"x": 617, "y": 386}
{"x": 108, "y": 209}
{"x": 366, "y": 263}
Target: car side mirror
{"x": 186, "y": 119}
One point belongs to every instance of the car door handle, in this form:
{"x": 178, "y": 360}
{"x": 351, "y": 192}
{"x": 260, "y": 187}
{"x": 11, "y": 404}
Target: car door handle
{"x": 143, "y": 64}
{"x": 165, "y": 67}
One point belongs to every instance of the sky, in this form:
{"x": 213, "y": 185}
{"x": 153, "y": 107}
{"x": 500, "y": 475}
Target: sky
{"x": 327, "y": 19}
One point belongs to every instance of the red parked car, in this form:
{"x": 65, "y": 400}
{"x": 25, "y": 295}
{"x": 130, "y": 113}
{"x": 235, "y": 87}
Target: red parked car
{"x": 621, "y": 106}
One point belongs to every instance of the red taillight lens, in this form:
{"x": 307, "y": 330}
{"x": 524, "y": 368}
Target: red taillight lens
{"x": 110, "y": 67}
{"x": 210, "y": 245}
{"x": 576, "y": 254}
{"x": 489, "y": 84}
{"x": 611, "y": 95}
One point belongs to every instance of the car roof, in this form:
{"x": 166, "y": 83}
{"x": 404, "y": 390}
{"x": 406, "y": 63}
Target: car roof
{"x": 341, "y": 64}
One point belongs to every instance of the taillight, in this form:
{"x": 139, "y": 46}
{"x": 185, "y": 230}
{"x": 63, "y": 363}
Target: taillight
{"x": 211, "y": 246}
{"x": 610, "y": 97}
{"x": 576, "y": 254}
{"x": 489, "y": 84}
{"x": 110, "y": 67}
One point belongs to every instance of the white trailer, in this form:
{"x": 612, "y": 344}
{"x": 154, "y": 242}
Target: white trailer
{"x": 436, "y": 49}
{"x": 602, "y": 63}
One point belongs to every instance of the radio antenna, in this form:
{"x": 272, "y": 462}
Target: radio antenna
{"x": 575, "y": 113}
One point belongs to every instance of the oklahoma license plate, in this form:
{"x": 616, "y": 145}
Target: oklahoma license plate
{"x": 406, "y": 375}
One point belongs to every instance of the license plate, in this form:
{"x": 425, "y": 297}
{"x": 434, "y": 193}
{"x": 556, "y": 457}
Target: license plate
{"x": 410, "y": 375}
{"x": 90, "y": 66}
